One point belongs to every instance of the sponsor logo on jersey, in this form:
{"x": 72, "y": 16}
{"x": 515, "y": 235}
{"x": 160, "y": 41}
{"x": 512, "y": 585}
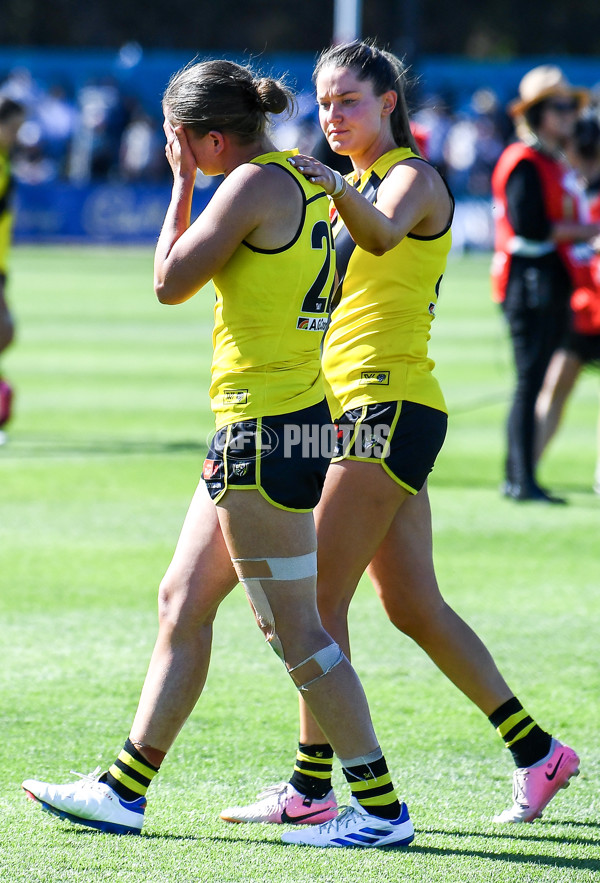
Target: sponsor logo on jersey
{"x": 374, "y": 378}
{"x": 432, "y": 309}
{"x": 305, "y": 323}
{"x": 240, "y": 469}
{"x": 235, "y": 396}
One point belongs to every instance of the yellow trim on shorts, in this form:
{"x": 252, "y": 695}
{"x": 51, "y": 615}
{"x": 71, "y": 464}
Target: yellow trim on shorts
{"x": 379, "y": 461}
{"x": 251, "y": 487}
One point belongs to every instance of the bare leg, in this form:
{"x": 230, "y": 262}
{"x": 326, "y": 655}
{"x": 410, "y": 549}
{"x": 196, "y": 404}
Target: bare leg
{"x": 358, "y": 506}
{"x": 401, "y": 569}
{"x": 336, "y": 699}
{"x": 403, "y": 575}
{"x": 198, "y": 578}
{"x": 563, "y": 371}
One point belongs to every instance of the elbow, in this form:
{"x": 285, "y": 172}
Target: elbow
{"x": 379, "y": 247}
{"x": 166, "y": 295}
{"x": 377, "y": 250}
{"x": 379, "y": 243}
{"x": 161, "y": 293}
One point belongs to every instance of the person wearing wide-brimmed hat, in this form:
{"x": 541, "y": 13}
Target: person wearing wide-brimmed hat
{"x": 537, "y": 218}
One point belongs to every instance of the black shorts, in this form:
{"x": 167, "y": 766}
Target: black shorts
{"x": 284, "y": 457}
{"x": 403, "y": 437}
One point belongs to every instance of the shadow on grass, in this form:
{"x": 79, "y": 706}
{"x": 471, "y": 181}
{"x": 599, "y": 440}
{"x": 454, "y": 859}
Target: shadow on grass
{"x": 525, "y": 836}
{"x": 574, "y": 864}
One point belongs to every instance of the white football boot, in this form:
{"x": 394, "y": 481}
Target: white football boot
{"x": 89, "y": 802}
{"x": 354, "y": 826}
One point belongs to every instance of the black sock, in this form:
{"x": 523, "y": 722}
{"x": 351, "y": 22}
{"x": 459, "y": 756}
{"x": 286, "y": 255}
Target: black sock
{"x": 131, "y": 774}
{"x": 525, "y": 740}
{"x": 371, "y": 784}
{"x": 312, "y": 770}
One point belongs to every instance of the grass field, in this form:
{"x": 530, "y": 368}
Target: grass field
{"x": 104, "y": 452}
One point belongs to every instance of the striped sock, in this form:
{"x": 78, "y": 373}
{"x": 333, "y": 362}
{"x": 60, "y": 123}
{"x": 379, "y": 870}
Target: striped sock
{"x": 527, "y": 742}
{"x": 312, "y": 770}
{"x": 131, "y": 774}
{"x": 371, "y": 784}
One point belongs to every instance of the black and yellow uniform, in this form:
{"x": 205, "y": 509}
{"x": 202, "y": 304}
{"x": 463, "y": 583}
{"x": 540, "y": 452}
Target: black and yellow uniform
{"x": 271, "y": 312}
{"x": 6, "y": 216}
{"x": 382, "y": 391}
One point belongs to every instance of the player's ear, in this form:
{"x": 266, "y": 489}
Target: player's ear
{"x": 390, "y": 100}
{"x": 217, "y": 141}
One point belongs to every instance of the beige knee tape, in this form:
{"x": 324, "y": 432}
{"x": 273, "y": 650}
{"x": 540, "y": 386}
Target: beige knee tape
{"x": 252, "y": 572}
{"x": 326, "y": 658}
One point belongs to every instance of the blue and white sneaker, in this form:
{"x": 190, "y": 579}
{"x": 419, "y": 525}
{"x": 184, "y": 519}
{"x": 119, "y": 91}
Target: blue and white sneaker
{"x": 89, "y": 802}
{"x": 354, "y": 826}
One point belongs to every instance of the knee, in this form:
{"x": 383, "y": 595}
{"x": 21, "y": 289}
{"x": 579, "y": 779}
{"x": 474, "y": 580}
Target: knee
{"x": 181, "y": 607}
{"x": 417, "y": 622}
{"x": 333, "y": 609}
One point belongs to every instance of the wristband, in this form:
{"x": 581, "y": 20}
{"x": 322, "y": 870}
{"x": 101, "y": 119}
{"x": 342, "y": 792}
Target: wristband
{"x": 341, "y": 185}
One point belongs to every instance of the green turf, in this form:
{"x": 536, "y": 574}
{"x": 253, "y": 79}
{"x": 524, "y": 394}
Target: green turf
{"x": 104, "y": 452}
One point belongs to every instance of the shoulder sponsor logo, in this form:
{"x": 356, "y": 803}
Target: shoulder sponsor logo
{"x": 432, "y": 309}
{"x": 374, "y": 378}
{"x": 235, "y": 396}
{"x": 305, "y": 323}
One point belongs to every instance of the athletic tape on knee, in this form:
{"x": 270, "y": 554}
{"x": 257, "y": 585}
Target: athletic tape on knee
{"x": 297, "y": 567}
{"x": 326, "y": 659}
{"x": 253, "y": 571}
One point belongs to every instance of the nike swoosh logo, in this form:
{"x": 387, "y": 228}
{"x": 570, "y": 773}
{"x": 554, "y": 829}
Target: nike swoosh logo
{"x": 551, "y": 775}
{"x": 294, "y": 820}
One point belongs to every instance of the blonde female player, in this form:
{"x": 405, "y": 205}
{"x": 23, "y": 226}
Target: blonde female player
{"x": 392, "y": 230}
{"x": 265, "y": 241}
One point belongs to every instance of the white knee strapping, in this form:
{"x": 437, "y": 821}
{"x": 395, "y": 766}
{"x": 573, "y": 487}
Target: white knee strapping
{"x": 326, "y": 658}
{"x": 252, "y": 572}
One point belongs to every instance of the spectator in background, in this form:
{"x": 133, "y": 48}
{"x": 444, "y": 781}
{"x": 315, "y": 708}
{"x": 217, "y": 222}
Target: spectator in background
{"x": 582, "y": 346}
{"x": 12, "y": 115}
{"x": 141, "y": 151}
{"x": 537, "y": 221}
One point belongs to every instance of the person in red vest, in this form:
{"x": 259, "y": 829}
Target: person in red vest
{"x": 582, "y": 346}
{"x": 534, "y": 270}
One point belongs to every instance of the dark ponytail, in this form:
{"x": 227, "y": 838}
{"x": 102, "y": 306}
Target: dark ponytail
{"x": 226, "y": 97}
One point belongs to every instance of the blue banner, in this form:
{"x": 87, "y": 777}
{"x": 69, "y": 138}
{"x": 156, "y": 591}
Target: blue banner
{"x": 96, "y": 213}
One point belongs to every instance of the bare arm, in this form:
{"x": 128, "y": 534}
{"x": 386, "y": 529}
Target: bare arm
{"x": 188, "y": 254}
{"x": 411, "y": 195}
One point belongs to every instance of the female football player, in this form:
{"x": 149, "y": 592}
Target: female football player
{"x": 392, "y": 236}
{"x": 265, "y": 241}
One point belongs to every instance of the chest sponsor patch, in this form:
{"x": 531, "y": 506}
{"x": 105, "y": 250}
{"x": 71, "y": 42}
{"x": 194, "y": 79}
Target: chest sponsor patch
{"x": 305, "y": 323}
{"x": 374, "y": 378}
{"x": 235, "y": 396}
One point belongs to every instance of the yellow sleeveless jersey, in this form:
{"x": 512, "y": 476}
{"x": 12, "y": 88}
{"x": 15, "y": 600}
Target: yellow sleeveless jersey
{"x": 6, "y": 217}
{"x": 271, "y": 312}
{"x": 376, "y": 345}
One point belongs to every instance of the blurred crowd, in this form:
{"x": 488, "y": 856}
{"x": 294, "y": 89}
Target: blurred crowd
{"x": 101, "y": 132}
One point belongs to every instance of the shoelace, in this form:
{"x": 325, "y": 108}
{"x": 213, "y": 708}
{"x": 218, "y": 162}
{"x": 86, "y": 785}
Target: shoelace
{"x": 344, "y": 818}
{"x": 88, "y": 777}
{"x": 275, "y": 792}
